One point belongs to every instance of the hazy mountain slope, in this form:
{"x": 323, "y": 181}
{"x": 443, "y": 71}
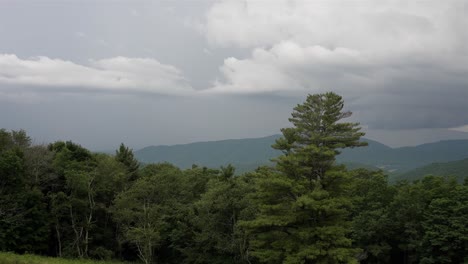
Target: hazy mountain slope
{"x": 406, "y": 158}
{"x": 442, "y": 151}
{"x": 458, "y": 169}
{"x": 375, "y": 154}
{"x": 246, "y": 154}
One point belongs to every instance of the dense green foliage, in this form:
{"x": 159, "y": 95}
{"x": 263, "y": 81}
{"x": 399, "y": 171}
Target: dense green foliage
{"x": 62, "y": 200}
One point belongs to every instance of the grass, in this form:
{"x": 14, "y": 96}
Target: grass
{"x": 11, "y": 258}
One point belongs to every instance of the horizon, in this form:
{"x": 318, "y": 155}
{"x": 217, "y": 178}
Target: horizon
{"x": 365, "y": 137}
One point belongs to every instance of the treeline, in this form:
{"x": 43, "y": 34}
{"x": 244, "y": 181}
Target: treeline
{"x": 63, "y": 200}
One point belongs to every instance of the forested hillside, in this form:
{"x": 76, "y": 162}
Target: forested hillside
{"x": 62, "y": 200}
{"x": 247, "y": 154}
{"x": 457, "y": 169}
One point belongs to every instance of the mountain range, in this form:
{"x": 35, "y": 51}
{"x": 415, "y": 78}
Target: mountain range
{"x": 457, "y": 169}
{"x": 247, "y": 154}
{"x": 244, "y": 154}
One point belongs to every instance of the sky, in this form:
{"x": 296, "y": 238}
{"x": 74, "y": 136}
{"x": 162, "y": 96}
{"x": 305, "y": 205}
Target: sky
{"x": 166, "y": 72}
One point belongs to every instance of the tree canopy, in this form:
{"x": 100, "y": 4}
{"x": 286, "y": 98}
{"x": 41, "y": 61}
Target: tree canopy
{"x": 64, "y": 200}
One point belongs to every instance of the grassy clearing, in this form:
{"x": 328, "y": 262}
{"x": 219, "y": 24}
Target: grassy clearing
{"x": 11, "y": 258}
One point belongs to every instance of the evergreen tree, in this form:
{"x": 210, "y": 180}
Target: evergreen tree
{"x": 303, "y": 206}
{"x": 318, "y": 135}
{"x": 125, "y": 156}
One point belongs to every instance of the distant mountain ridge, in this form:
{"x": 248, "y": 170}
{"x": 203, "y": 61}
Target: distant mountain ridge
{"x": 247, "y": 154}
{"x": 406, "y": 158}
{"x": 457, "y": 169}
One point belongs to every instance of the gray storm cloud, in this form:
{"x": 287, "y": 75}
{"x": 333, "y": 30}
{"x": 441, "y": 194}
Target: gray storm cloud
{"x": 403, "y": 58}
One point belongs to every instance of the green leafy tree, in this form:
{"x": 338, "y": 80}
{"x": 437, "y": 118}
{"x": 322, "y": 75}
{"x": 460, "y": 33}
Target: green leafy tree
{"x": 23, "y": 214}
{"x": 228, "y": 171}
{"x": 11, "y": 210}
{"x": 407, "y": 213}
{"x": 303, "y": 207}
{"x": 12, "y": 139}
{"x": 218, "y": 237}
{"x": 371, "y": 225}
{"x": 445, "y": 228}
{"x": 139, "y": 214}
{"x": 38, "y": 165}
{"x": 76, "y": 167}
{"x": 143, "y": 212}
{"x": 110, "y": 180}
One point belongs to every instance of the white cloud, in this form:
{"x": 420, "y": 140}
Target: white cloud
{"x": 460, "y": 129}
{"x": 288, "y": 68}
{"x": 405, "y": 60}
{"x": 377, "y": 25}
{"x": 119, "y": 74}
{"x": 334, "y": 39}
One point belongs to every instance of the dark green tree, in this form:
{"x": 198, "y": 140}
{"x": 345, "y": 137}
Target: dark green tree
{"x": 446, "y": 228}
{"x": 23, "y": 214}
{"x": 146, "y": 211}
{"x": 125, "y": 156}
{"x": 218, "y": 238}
{"x": 317, "y": 136}
{"x": 371, "y": 225}
{"x": 303, "y": 207}
{"x": 77, "y": 177}
{"x": 426, "y": 219}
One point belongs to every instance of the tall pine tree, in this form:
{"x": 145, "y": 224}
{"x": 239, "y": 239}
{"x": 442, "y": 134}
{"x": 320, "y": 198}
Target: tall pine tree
{"x": 303, "y": 205}
{"x": 125, "y": 156}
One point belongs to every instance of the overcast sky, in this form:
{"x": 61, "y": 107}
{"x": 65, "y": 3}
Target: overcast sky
{"x": 155, "y": 72}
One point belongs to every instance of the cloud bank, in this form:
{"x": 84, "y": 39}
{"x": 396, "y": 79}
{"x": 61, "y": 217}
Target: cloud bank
{"x": 400, "y": 64}
{"x": 302, "y": 43}
{"x": 117, "y": 74}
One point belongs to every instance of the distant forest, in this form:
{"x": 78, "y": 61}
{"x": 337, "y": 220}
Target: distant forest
{"x": 63, "y": 200}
